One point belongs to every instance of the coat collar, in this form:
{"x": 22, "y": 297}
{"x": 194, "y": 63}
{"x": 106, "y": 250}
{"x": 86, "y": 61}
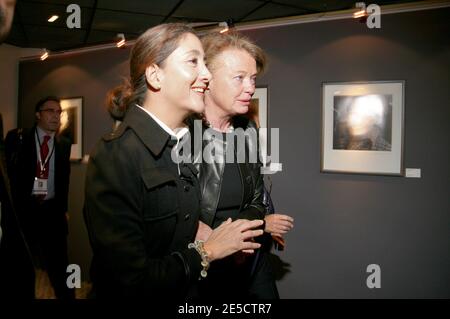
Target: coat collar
{"x": 150, "y": 133}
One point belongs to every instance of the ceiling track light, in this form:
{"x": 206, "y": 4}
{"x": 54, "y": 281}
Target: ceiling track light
{"x": 44, "y": 55}
{"x": 226, "y": 25}
{"x": 361, "y": 10}
{"x": 121, "y": 41}
{"x": 53, "y": 18}
{"x": 359, "y": 14}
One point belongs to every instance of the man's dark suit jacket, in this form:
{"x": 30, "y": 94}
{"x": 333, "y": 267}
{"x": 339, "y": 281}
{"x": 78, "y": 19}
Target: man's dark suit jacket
{"x": 22, "y": 160}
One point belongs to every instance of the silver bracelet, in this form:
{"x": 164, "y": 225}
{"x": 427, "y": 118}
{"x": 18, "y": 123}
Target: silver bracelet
{"x": 198, "y": 246}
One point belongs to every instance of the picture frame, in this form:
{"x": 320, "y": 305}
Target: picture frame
{"x": 72, "y": 125}
{"x": 363, "y": 127}
{"x": 258, "y": 112}
{"x": 258, "y": 107}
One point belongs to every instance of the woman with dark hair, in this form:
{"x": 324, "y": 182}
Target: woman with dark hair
{"x": 233, "y": 188}
{"x": 142, "y": 209}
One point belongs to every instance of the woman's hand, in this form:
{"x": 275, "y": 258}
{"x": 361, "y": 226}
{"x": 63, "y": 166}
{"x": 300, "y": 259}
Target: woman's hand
{"x": 231, "y": 237}
{"x": 278, "y": 224}
{"x": 203, "y": 231}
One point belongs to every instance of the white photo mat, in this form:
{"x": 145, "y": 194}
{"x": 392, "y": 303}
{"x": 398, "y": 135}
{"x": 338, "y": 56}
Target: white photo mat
{"x": 387, "y": 161}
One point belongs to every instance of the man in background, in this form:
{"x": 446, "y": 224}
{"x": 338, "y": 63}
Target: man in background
{"x": 39, "y": 168}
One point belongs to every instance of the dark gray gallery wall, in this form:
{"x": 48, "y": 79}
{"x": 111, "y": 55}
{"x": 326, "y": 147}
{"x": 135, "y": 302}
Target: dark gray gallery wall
{"x": 343, "y": 222}
{"x": 346, "y": 222}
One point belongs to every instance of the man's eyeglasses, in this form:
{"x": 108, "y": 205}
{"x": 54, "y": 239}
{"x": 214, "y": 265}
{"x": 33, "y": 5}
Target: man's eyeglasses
{"x": 52, "y": 111}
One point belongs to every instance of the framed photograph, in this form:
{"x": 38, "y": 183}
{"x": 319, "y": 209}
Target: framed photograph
{"x": 258, "y": 107}
{"x": 362, "y": 127}
{"x": 258, "y": 112}
{"x": 72, "y": 125}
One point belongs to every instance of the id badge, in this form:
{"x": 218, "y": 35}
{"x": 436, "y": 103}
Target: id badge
{"x": 40, "y": 186}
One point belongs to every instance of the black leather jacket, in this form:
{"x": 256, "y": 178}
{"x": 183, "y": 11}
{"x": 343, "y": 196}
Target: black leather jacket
{"x": 210, "y": 176}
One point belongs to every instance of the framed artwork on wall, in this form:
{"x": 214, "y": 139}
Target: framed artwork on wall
{"x": 258, "y": 112}
{"x": 72, "y": 125}
{"x": 258, "y": 107}
{"x": 362, "y": 127}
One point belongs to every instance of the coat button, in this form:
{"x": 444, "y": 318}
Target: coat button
{"x": 187, "y": 216}
{"x": 186, "y": 188}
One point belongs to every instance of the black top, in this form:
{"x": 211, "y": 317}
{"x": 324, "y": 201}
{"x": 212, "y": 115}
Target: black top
{"x": 211, "y": 173}
{"x": 230, "y": 193}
